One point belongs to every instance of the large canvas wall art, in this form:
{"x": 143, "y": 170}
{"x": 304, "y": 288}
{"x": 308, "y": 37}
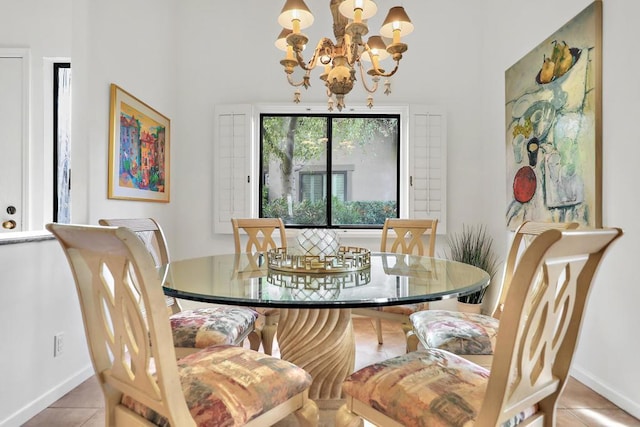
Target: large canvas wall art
{"x": 554, "y": 126}
{"x": 138, "y": 150}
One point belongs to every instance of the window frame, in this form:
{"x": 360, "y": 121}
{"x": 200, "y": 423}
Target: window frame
{"x": 332, "y": 169}
{"x": 423, "y": 156}
{"x": 286, "y": 109}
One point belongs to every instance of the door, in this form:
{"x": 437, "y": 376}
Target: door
{"x": 12, "y": 139}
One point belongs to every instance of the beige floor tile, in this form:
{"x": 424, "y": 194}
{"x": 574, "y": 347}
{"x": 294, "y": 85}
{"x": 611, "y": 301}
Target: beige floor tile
{"x": 605, "y": 418}
{"x": 97, "y": 420}
{"x": 577, "y": 395}
{"x": 62, "y": 417}
{"x": 565, "y": 418}
{"x": 86, "y": 395}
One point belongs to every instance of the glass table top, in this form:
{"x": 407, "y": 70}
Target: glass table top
{"x": 390, "y": 279}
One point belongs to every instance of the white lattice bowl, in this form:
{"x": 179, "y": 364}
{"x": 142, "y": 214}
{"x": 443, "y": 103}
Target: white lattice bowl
{"x": 318, "y": 242}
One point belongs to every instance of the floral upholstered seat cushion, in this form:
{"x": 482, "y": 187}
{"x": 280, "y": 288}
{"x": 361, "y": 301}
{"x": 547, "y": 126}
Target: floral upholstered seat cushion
{"x": 457, "y": 332}
{"x": 203, "y": 327}
{"x": 215, "y": 378}
{"x": 432, "y": 388}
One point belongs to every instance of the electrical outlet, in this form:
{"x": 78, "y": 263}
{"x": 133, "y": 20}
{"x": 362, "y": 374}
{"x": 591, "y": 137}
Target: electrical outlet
{"x": 58, "y": 344}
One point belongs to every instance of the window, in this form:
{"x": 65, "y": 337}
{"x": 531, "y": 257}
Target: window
{"x": 62, "y": 142}
{"x": 313, "y": 186}
{"x": 242, "y": 183}
{"x": 361, "y": 154}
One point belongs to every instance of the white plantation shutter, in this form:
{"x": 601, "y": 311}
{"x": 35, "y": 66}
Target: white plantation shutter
{"x": 232, "y": 165}
{"x": 428, "y": 164}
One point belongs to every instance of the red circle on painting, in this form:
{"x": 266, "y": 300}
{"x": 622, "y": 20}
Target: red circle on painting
{"x": 524, "y": 184}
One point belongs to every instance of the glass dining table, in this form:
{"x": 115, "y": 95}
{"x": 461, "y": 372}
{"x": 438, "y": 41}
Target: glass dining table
{"x": 315, "y": 330}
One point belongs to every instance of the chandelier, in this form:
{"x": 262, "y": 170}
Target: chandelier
{"x": 339, "y": 59}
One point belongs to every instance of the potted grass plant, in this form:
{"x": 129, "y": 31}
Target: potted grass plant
{"x": 473, "y": 246}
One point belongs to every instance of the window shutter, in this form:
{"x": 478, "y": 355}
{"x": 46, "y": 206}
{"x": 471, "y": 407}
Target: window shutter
{"x": 428, "y": 164}
{"x": 232, "y": 165}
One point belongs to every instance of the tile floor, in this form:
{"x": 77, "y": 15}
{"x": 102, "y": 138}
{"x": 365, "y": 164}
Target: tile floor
{"x": 579, "y": 406}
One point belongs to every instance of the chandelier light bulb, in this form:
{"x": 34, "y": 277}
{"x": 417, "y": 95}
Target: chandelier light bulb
{"x": 281, "y": 41}
{"x": 378, "y": 47}
{"x": 367, "y": 8}
{"x": 397, "y": 21}
{"x": 295, "y": 15}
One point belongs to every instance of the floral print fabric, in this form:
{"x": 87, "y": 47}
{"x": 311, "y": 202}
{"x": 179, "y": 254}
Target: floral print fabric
{"x": 204, "y": 327}
{"x": 457, "y": 332}
{"x": 432, "y": 388}
{"x": 216, "y": 379}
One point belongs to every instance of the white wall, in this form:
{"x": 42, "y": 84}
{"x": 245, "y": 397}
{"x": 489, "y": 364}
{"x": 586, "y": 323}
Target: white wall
{"x": 132, "y": 44}
{"x": 185, "y": 57}
{"x": 38, "y": 301}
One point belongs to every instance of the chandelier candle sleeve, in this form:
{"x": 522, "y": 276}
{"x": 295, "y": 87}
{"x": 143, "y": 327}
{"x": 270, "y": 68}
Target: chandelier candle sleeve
{"x": 342, "y": 55}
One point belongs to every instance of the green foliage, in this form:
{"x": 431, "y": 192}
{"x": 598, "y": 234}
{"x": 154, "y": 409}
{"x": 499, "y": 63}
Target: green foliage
{"x": 309, "y": 134}
{"x": 473, "y": 246}
{"x": 344, "y": 213}
{"x": 362, "y": 212}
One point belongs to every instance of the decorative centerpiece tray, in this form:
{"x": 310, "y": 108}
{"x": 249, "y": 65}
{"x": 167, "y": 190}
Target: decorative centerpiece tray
{"x": 348, "y": 258}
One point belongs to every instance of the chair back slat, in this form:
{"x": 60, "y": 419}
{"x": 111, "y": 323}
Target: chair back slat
{"x": 409, "y": 234}
{"x": 524, "y": 235}
{"x": 149, "y": 231}
{"x": 541, "y": 321}
{"x": 258, "y": 233}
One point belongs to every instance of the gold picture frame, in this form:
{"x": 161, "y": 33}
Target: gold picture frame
{"x": 139, "y": 142}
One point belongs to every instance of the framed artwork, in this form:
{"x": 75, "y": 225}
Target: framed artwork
{"x": 138, "y": 150}
{"x": 553, "y": 100}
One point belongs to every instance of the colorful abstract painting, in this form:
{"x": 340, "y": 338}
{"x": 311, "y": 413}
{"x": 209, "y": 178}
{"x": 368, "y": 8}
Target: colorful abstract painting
{"x": 553, "y": 126}
{"x": 139, "y": 150}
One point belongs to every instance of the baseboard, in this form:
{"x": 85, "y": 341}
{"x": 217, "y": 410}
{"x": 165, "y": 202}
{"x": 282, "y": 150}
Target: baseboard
{"x": 39, "y": 404}
{"x": 599, "y": 386}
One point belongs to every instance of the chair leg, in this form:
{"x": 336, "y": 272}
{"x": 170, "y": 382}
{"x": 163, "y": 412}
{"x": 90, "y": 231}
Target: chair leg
{"x": 255, "y": 338}
{"x": 379, "y": 330}
{"x": 308, "y": 415}
{"x": 268, "y": 333}
{"x": 412, "y": 338}
{"x": 346, "y": 418}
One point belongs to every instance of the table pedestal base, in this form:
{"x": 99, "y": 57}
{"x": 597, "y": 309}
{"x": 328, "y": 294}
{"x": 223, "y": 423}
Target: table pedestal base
{"x": 321, "y": 342}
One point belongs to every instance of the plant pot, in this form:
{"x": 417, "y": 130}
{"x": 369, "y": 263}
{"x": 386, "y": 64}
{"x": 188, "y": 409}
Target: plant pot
{"x": 469, "y": 308}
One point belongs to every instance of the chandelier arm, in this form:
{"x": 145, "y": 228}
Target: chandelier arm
{"x": 323, "y": 44}
{"x": 390, "y": 73}
{"x": 364, "y": 80}
{"x": 295, "y": 84}
{"x": 379, "y": 71}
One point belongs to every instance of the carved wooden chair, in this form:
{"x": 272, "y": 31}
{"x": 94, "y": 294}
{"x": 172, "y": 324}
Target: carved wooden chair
{"x": 540, "y": 327}
{"x": 193, "y": 329}
{"x": 473, "y": 335}
{"x": 408, "y": 238}
{"x": 258, "y": 234}
{"x": 133, "y": 354}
